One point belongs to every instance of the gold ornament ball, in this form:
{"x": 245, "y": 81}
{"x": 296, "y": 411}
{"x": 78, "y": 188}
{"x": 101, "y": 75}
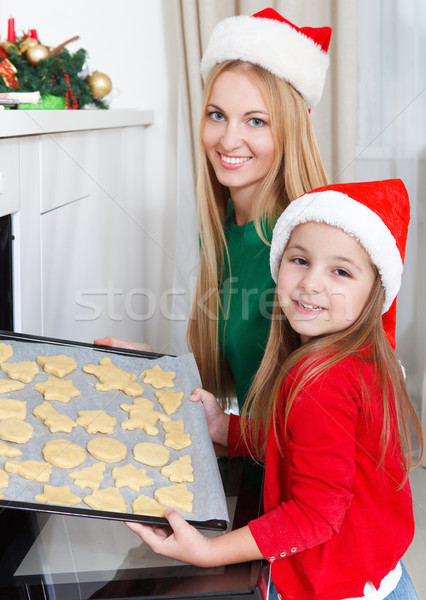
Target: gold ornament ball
{"x": 37, "y": 53}
{"x": 100, "y": 84}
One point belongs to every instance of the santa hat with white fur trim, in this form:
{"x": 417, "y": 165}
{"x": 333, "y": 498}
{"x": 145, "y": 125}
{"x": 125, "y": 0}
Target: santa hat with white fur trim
{"x": 376, "y": 213}
{"x": 297, "y": 55}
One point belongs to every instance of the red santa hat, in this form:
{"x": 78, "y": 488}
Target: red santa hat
{"x": 297, "y": 55}
{"x": 376, "y": 213}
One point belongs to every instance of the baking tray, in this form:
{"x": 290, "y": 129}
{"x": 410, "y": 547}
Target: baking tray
{"x": 209, "y": 506}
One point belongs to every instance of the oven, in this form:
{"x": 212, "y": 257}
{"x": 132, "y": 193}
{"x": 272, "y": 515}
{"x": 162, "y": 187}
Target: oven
{"x": 58, "y": 557}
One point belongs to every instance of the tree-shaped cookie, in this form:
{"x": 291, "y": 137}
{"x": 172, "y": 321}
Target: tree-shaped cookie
{"x": 169, "y": 400}
{"x": 131, "y": 477}
{"x": 57, "y": 389}
{"x": 59, "y": 365}
{"x": 176, "y": 496}
{"x": 158, "y": 378}
{"x": 90, "y": 477}
{"x": 142, "y": 416}
{"x": 179, "y": 470}
{"x": 110, "y": 377}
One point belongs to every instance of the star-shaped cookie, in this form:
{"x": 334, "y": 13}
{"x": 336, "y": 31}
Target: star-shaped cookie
{"x": 158, "y": 378}
{"x": 57, "y": 389}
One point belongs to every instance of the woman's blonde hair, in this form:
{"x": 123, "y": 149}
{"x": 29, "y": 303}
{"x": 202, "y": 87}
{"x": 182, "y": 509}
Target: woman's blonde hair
{"x": 297, "y": 168}
{"x": 284, "y": 353}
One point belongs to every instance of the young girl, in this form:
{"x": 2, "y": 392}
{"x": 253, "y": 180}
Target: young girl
{"x": 257, "y": 152}
{"x": 331, "y": 398}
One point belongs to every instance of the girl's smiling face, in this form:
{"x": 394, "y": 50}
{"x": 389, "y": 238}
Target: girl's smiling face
{"x": 324, "y": 280}
{"x": 237, "y": 135}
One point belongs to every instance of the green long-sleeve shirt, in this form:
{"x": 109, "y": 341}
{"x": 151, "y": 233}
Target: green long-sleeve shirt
{"x": 244, "y": 328}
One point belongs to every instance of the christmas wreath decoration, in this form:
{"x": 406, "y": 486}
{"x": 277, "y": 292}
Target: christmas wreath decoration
{"x": 59, "y": 76}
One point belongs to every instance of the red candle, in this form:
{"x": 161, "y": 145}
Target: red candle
{"x": 33, "y": 34}
{"x": 11, "y": 36}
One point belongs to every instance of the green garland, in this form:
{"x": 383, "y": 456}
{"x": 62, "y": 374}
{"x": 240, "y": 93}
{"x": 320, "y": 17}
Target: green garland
{"x": 48, "y": 76}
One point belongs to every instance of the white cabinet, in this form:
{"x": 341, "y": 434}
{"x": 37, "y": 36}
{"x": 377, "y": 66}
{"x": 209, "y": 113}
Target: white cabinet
{"x": 78, "y": 252}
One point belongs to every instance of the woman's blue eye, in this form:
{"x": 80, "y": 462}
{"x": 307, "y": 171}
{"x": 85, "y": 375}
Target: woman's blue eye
{"x": 216, "y": 116}
{"x": 256, "y": 122}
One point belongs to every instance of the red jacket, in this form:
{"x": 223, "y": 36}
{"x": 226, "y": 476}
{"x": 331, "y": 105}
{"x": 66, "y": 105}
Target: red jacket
{"x": 333, "y": 517}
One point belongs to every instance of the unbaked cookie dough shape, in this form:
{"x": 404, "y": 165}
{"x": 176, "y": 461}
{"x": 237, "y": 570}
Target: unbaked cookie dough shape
{"x": 169, "y": 400}
{"x": 59, "y": 365}
{"x": 16, "y": 431}
{"x": 6, "y": 351}
{"x": 142, "y": 416}
{"x": 9, "y": 451}
{"x": 131, "y": 477}
{"x": 60, "y": 495}
{"x": 54, "y": 421}
{"x": 8, "y": 385}
{"x": 144, "y": 505}
{"x": 90, "y": 477}
{"x": 24, "y": 370}
{"x": 57, "y": 389}
{"x": 180, "y": 470}
{"x": 96, "y": 421}
{"x": 36, "y": 470}
{"x": 108, "y": 499}
{"x": 107, "y": 449}
{"x": 110, "y": 377}
{"x": 63, "y": 453}
{"x": 175, "y": 437}
{"x": 12, "y": 409}
{"x": 176, "y": 496}
{"x": 4, "y": 479}
{"x": 150, "y": 454}
{"x": 158, "y": 378}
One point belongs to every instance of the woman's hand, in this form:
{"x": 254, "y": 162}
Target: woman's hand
{"x": 116, "y": 343}
{"x": 183, "y": 542}
{"x": 217, "y": 419}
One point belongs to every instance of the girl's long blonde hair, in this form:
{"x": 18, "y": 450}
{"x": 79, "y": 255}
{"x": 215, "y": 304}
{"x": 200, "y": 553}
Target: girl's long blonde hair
{"x": 297, "y": 168}
{"x": 284, "y": 353}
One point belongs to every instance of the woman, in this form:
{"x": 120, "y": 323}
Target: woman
{"x": 262, "y": 76}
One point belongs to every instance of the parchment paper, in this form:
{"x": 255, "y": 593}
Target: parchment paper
{"x": 209, "y": 498}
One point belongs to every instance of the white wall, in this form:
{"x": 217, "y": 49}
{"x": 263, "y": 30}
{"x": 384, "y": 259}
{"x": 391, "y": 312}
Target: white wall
{"x": 134, "y": 42}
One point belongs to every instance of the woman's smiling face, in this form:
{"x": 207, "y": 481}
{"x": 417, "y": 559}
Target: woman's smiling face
{"x": 324, "y": 281}
{"x": 237, "y": 134}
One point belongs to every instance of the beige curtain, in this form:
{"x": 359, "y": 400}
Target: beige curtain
{"x": 335, "y": 117}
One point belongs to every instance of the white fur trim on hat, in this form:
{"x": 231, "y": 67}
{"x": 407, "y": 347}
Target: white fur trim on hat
{"x": 273, "y": 45}
{"x": 342, "y": 211}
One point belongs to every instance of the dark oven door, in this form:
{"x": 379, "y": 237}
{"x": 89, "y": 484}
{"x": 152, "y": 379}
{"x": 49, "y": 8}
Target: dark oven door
{"x": 6, "y": 291}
